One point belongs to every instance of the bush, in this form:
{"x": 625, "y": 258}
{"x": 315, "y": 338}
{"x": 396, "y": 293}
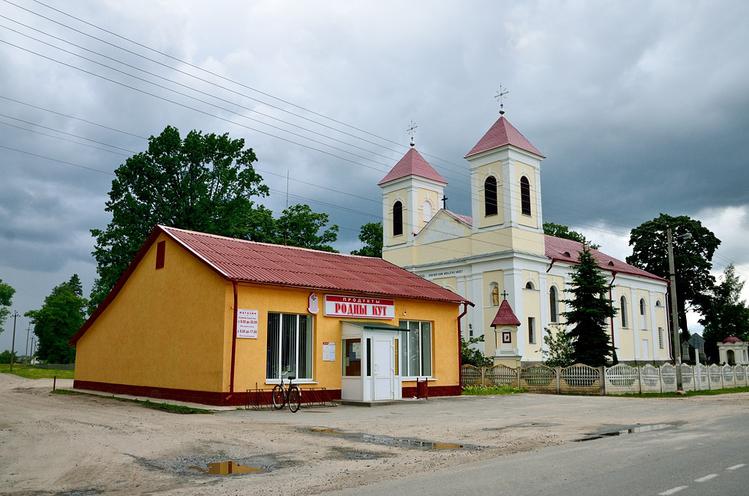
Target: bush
{"x": 5, "y": 357}
{"x": 490, "y": 390}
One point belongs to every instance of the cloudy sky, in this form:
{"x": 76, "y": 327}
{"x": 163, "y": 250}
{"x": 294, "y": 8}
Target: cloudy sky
{"x": 640, "y": 107}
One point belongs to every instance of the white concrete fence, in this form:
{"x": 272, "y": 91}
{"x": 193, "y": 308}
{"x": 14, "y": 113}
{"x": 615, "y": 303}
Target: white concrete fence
{"x": 619, "y": 379}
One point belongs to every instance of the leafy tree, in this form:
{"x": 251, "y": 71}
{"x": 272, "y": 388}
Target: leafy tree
{"x": 5, "y": 357}
{"x": 300, "y": 226}
{"x": 63, "y": 313}
{"x": 472, "y": 356}
{"x": 371, "y": 235}
{"x": 590, "y": 307}
{"x": 724, "y": 313}
{"x": 204, "y": 182}
{"x": 694, "y": 247}
{"x": 562, "y": 231}
{"x": 561, "y": 349}
{"x": 6, "y": 299}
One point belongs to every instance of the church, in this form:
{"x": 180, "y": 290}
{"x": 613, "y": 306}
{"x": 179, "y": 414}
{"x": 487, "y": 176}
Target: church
{"x": 499, "y": 258}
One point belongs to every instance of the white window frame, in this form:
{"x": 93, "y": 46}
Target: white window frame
{"x": 404, "y": 344}
{"x": 311, "y": 380}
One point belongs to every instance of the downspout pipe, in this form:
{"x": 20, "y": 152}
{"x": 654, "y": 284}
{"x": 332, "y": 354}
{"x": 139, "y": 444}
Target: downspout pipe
{"x": 233, "y": 339}
{"x": 460, "y": 347}
{"x": 613, "y": 342}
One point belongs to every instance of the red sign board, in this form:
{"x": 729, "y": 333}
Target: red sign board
{"x": 356, "y": 307}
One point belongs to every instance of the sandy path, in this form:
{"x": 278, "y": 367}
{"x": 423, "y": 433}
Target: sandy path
{"x": 56, "y": 443}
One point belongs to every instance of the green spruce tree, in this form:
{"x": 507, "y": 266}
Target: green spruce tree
{"x": 590, "y": 307}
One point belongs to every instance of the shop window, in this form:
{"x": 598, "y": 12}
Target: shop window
{"x": 352, "y": 358}
{"x": 553, "y": 304}
{"x": 416, "y": 348}
{"x": 289, "y": 346}
{"x": 397, "y": 219}
{"x": 525, "y": 195}
{"x": 160, "y": 254}
{"x": 490, "y": 196}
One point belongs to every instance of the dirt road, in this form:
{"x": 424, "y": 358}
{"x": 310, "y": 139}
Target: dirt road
{"x": 52, "y": 444}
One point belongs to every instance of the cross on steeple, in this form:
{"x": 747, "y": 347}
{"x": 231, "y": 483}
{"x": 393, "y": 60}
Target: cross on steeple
{"x": 502, "y": 92}
{"x": 411, "y": 130}
{"x": 444, "y": 202}
{"x": 505, "y": 294}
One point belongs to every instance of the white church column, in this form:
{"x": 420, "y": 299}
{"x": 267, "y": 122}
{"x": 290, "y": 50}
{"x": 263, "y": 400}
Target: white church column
{"x": 511, "y": 210}
{"x": 543, "y": 298}
{"x": 476, "y": 284}
{"x": 653, "y": 325}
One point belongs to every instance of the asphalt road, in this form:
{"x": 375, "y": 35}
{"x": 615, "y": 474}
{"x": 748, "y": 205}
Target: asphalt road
{"x": 688, "y": 460}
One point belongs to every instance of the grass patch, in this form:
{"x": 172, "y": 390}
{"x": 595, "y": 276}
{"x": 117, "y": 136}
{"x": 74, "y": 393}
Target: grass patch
{"x": 708, "y": 392}
{"x": 31, "y": 372}
{"x": 491, "y": 390}
{"x": 164, "y": 407}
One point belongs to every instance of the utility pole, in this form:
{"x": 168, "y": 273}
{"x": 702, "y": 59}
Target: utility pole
{"x": 675, "y": 338}
{"x": 28, "y": 331}
{"x": 13, "y": 343}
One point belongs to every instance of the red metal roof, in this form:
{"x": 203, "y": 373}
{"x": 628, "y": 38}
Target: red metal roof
{"x": 412, "y": 164}
{"x": 505, "y": 316}
{"x": 500, "y": 134}
{"x": 731, "y": 340}
{"x": 262, "y": 263}
{"x": 566, "y": 250}
{"x": 467, "y": 219}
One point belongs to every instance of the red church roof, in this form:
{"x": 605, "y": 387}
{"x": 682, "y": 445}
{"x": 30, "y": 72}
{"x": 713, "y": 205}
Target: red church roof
{"x": 262, "y": 263}
{"x": 500, "y": 134}
{"x": 505, "y": 316}
{"x": 412, "y": 164}
{"x": 731, "y": 340}
{"x": 566, "y": 250}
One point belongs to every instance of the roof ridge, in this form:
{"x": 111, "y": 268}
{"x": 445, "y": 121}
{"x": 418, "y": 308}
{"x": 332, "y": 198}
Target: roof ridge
{"x": 261, "y": 243}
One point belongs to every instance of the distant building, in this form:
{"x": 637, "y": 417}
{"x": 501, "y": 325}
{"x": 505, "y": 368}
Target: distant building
{"x": 733, "y": 351}
{"x": 501, "y": 248}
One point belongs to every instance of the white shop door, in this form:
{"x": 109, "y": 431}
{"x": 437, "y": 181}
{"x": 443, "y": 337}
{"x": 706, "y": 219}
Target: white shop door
{"x": 383, "y": 367}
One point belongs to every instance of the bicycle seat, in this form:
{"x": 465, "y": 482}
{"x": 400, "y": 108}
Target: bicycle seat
{"x": 291, "y": 377}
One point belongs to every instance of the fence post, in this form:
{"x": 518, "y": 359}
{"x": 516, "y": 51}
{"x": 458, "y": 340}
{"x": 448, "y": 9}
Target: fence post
{"x": 639, "y": 380}
{"x": 660, "y": 377}
{"x": 722, "y": 379}
{"x": 602, "y": 377}
{"x": 517, "y": 372}
{"x": 483, "y": 376}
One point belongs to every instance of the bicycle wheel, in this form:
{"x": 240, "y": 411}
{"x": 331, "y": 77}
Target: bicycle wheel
{"x": 279, "y": 398}
{"x": 295, "y": 399}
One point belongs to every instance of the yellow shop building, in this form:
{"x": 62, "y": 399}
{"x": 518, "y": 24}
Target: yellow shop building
{"x": 215, "y": 320}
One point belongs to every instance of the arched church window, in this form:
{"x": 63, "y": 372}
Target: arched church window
{"x": 490, "y": 196}
{"x": 553, "y": 304}
{"x": 642, "y": 306}
{"x": 397, "y": 218}
{"x": 529, "y": 285}
{"x": 495, "y": 294}
{"x": 525, "y": 195}
{"x": 426, "y": 211}
{"x": 658, "y": 303}
{"x": 623, "y": 310}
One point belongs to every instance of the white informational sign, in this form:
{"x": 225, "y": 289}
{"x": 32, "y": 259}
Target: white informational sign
{"x": 328, "y": 352}
{"x": 359, "y": 308}
{"x": 246, "y": 323}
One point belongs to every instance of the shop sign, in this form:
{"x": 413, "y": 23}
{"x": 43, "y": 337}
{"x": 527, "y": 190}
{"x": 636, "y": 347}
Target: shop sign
{"x": 246, "y": 323}
{"x": 359, "y": 308}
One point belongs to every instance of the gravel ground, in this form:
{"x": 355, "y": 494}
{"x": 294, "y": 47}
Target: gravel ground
{"x": 81, "y": 445}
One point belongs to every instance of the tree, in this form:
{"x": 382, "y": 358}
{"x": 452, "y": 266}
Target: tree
{"x": 204, "y": 182}
{"x": 724, "y": 313}
{"x": 590, "y": 307}
{"x": 694, "y": 247}
{"x": 560, "y": 350}
{"x": 371, "y": 235}
{"x": 63, "y": 313}
{"x": 472, "y": 356}
{"x": 6, "y": 355}
{"x": 562, "y": 231}
{"x": 6, "y": 299}
{"x": 300, "y": 226}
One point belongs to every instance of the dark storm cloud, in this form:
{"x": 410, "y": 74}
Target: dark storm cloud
{"x": 640, "y": 107}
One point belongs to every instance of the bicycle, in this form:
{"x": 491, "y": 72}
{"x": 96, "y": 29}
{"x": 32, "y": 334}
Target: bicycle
{"x": 291, "y": 396}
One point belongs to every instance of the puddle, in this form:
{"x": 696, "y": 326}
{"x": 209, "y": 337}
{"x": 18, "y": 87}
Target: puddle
{"x": 344, "y": 453}
{"x": 623, "y": 431}
{"x": 397, "y": 442}
{"x": 229, "y": 467}
{"x": 522, "y": 425}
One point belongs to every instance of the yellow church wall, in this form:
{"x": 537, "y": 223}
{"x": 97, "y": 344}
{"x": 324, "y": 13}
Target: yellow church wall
{"x": 661, "y": 320}
{"x": 558, "y": 282}
{"x": 489, "y": 309}
{"x": 624, "y": 345}
{"x": 450, "y": 283}
{"x": 164, "y": 328}
{"x": 526, "y": 170}
{"x": 480, "y": 174}
{"x": 439, "y": 250}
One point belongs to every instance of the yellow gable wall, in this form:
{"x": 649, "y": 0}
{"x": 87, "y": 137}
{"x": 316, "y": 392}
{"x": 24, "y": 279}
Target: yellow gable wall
{"x": 165, "y": 328}
{"x": 422, "y": 196}
{"x": 251, "y": 353}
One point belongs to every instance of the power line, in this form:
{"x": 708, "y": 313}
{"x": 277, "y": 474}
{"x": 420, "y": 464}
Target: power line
{"x": 64, "y": 162}
{"x": 61, "y": 138}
